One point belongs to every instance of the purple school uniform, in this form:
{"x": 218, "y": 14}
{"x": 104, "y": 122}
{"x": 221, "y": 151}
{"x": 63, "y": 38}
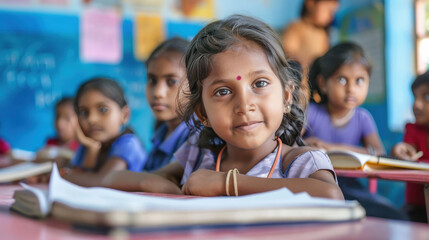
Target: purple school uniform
{"x": 191, "y": 157}
{"x": 319, "y": 125}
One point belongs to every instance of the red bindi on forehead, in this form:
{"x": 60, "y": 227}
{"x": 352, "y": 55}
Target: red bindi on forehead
{"x": 238, "y": 77}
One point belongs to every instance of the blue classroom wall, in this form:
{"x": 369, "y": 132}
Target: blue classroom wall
{"x": 40, "y": 63}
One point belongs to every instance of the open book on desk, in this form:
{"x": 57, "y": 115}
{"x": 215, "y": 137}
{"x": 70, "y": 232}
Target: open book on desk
{"x": 23, "y": 170}
{"x": 344, "y": 159}
{"x": 112, "y": 208}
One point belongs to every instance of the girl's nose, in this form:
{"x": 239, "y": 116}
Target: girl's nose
{"x": 160, "y": 90}
{"x": 418, "y": 104}
{"x": 92, "y": 117}
{"x": 244, "y": 102}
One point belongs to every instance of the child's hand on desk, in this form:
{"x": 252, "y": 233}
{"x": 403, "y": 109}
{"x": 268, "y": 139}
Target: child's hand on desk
{"x": 43, "y": 178}
{"x": 205, "y": 182}
{"x": 317, "y": 143}
{"x": 406, "y": 151}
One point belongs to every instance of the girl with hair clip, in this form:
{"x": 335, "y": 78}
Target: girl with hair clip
{"x": 341, "y": 80}
{"x": 165, "y": 74}
{"x": 106, "y": 145}
{"x": 242, "y": 89}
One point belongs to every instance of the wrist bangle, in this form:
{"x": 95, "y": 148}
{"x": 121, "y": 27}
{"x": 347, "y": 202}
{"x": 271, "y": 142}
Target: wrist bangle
{"x": 234, "y": 173}
{"x": 228, "y": 175}
{"x": 234, "y": 177}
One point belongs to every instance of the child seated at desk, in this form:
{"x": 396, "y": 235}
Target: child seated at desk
{"x": 166, "y": 73}
{"x": 62, "y": 147}
{"x": 241, "y": 88}
{"x": 341, "y": 78}
{"x": 106, "y": 144}
{"x": 416, "y": 139}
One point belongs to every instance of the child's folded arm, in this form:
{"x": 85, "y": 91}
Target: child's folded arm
{"x": 319, "y": 184}
{"x": 165, "y": 180}
{"x": 92, "y": 179}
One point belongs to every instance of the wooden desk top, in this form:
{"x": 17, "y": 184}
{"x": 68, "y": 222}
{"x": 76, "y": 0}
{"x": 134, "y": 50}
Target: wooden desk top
{"x": 15, "y": 226}
{"x": 415, "y": 176}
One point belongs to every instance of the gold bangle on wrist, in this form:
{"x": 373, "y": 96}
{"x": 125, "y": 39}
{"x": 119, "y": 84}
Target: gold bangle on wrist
{"x": 228, "y": 175}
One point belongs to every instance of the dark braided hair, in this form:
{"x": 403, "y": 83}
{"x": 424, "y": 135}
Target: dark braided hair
{"x": 220, "y": 36}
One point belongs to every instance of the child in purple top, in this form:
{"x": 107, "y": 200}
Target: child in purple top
{"x": 248, "y": 101}
{"x": 340, "y": 79}
{"x": 320, "y": 126}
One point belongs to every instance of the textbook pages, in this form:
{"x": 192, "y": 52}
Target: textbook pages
{"x": 344, "y": 159}
{"x": 112, "y": 208}
{"x": 23, "y": 170}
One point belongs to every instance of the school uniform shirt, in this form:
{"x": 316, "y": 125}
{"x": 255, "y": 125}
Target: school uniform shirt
{"x": 417, "y": 136}
{"x": 126, "y": 147}
{"x": 191, "y": 157}
{"x": 72, "y": 145}
{"x": 319, "y": 125}
{"x": 163, "y": 150}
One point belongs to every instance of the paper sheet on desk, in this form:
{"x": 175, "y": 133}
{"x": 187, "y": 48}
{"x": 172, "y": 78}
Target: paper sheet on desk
{"x": 104, "y": 199}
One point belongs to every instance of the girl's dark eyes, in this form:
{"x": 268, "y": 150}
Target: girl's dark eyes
{"x": 222, "y": 92}
{"x": 260, "y": 83}
{"x": 103, "y": 109}
{"x": 172, "y": 82}
{"x": 82, "y": 113}
{"x": 426, "y": 97}
{"x": 151, "y": 80}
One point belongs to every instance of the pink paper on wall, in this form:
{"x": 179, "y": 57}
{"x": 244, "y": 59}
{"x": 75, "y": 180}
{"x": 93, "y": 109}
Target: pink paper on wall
{"x": 101, "y": 36}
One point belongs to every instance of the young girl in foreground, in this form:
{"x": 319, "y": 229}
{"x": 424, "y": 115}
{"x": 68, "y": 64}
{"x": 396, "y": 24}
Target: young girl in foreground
{"x": 165, "y": 74}
{"x": 102, "y": 112}
{"x": 242, "y": 90}
{"x": 416, "y": 139}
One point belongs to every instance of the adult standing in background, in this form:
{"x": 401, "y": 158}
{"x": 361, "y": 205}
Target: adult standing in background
{"x": 307, "y": 38}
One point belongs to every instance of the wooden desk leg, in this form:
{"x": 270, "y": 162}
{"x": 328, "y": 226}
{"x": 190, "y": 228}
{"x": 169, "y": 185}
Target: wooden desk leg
{"x": 372, "y": 185}
{"x": 426, "y": 190}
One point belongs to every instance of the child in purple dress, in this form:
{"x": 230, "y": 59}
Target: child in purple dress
{"x": 340, "y": 79}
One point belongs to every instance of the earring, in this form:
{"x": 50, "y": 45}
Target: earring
{"x": 205, "y": 122}
{"x": 288, "y": 108}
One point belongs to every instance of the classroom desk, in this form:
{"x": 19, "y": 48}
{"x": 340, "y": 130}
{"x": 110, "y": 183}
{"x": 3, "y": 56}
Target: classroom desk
{"x": 15, "y": 226}
{"x": 405, "y": 175}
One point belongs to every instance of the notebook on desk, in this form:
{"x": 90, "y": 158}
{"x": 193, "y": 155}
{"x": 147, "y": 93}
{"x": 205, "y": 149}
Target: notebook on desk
{"x": 344, "y": 159}
{"x": 23, "y": 170}
{"x": 102, "y": 207}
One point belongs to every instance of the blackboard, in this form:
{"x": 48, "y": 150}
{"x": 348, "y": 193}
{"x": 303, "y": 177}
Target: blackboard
{"x": 40, "y": 63}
